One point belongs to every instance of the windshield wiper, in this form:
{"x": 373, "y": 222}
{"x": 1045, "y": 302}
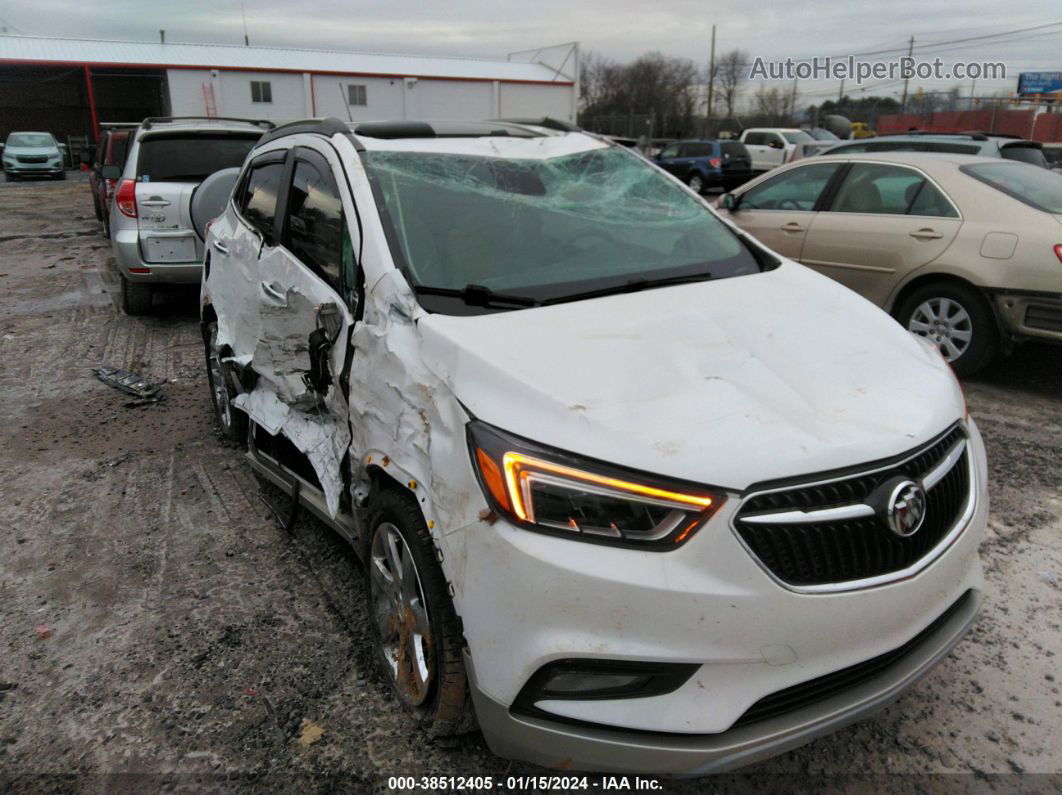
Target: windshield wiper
{"x": 478, "y": 295}
{"x": 633, "y": 286}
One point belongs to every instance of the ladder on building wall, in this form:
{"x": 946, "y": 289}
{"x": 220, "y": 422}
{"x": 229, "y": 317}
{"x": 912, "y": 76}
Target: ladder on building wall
{"x": 208, "y": 100}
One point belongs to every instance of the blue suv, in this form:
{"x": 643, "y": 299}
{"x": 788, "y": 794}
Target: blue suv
{"x": 707, "y": 164}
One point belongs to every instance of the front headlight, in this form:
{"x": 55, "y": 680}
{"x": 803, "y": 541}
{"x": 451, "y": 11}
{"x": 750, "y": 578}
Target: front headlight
{"x": 554, "y": 492}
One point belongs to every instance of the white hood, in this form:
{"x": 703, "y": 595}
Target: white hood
{"x": 726, "y": 383}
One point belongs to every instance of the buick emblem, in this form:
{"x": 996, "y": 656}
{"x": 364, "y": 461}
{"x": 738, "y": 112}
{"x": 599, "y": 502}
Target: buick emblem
{"x": 906, "y": 508}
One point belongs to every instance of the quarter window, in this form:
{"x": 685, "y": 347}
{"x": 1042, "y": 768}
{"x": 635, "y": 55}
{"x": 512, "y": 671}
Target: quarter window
{"x": 315, "y": 223}
{"x": 798, "y": 189}
{"x": 356, "y": 95}
{"x": 261, "y": 91}
{"x": 258, "y": 200}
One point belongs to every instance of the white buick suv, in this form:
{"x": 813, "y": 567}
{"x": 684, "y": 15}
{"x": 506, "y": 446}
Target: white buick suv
{"x": 632, "y": 491}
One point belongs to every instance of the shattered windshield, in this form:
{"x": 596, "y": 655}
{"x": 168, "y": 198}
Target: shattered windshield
{"x": 546, "y": 228}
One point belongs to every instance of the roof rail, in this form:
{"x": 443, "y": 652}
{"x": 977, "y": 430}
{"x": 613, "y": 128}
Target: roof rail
{"x": 152, "y": 120}
{"x": 544, "y": 121}
{"x": 985, "y": 134}
{"x": 395, "y": 129}
{"x": 976, "y": 136}
{"x": 328, "y": 127}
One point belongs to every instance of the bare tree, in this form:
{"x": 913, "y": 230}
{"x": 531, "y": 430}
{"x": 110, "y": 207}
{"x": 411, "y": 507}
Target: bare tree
{"x": 655, "y": 87}
{"x": 731, "y": 71}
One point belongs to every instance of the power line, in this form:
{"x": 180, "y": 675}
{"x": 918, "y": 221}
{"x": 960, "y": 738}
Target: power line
{"x": 6, "y": 25}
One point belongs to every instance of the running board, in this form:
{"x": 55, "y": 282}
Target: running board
{"x": 309, "y": 496}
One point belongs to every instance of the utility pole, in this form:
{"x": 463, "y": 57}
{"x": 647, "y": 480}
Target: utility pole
{"x": 840, "y": 94}
{"x": 711, "y": 82}
{"x": 792, "y": 101}
{"x": 906, "y": 80}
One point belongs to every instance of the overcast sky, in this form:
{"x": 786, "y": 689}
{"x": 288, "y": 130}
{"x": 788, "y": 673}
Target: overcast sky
{"x": 620, "y": 30}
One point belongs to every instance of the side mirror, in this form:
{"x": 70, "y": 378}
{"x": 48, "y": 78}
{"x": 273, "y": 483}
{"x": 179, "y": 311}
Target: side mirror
{"x": 111, "y": 172}
{"x": 729, "y": 202}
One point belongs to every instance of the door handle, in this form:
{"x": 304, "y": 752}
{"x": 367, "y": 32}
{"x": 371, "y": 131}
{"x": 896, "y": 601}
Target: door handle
{"x": 926, "y": 234}
{"x": 154, "y": 203}
{"x": 792, "y": 226}
{"x": 221, "y": 248}
{"x": 273, "y": 291}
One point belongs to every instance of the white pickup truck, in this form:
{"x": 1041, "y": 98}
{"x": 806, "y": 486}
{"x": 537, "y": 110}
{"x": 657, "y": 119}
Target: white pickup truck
{"x": 770, "y": 147}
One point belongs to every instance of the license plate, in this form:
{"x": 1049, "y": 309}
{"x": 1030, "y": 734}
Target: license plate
{"x": 170, "y": 249}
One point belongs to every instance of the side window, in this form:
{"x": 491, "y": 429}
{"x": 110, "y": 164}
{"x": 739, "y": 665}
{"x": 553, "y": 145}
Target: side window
{"x": 755, "y": 139}
{"x": 697, "y": 150}
{"x": 671, "y": 150}
{"x": 258, "y": 197}
{"x": 798, "y": 189}
{"x": 878, "y": 188}
{"x": 261, "y": 91}
{"x": 316, "y": 224}
{"x": 774, "y": 139}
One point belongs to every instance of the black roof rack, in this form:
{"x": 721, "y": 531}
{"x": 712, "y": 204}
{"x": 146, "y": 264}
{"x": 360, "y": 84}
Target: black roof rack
{"x": 545, "y": 121}
{"x": 152, "y": 120}
{"x": 395, "y": 129}
{"x": 328, "y": 127}
{"x": 976, "y": 136}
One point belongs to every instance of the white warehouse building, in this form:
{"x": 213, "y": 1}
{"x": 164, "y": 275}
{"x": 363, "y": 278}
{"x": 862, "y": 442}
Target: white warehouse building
{"x": 70, "y": 86}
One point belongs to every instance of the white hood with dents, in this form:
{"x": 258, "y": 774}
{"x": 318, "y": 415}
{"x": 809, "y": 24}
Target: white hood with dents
{"x": 727, "y": 382}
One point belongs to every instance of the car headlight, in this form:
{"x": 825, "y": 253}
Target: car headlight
{"x": 554, "y": 492}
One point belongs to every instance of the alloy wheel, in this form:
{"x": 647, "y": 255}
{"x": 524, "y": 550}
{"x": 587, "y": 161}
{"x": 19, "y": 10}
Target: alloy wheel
{"x": 945, "y": 323}
{"x": 401, "y": 614}
{"x": 696, "y": 183}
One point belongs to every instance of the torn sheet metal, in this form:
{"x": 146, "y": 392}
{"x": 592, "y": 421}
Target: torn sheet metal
{"x": 143, "y": 391}
{"x": 316, "y": 433}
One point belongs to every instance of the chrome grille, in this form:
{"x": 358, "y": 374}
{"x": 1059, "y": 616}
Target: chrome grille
{"x": 832, "y": 531}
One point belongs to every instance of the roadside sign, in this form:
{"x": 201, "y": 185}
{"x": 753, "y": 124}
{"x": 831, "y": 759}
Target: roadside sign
{"x": 1039, "y": 83}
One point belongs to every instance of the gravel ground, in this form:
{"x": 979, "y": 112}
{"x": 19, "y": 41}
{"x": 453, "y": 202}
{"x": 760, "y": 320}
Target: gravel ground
{"x": 158, "y": 630}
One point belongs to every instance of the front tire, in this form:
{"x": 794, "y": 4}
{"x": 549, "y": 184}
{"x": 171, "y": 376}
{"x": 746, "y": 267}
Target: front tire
{"x": 955, "y": 318}
{"x": 136, "y": 297}
{"x": 696, "y": 183}
{"x": 231, "y": 422}
{"x": 416, "y": 631}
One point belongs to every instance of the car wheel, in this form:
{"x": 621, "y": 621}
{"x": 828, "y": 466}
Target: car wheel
{"x": 231, "y": 422}
{"x": 60, "y": 175}
{"x": 96, "y": 207}
{"x": 696, "y": 183}
{"x": 136, "y": 297}
{"x": 956, "y": 319}
{"x": 417, "y": 634}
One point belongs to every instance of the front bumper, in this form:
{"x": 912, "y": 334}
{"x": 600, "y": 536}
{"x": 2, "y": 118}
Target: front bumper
{"x": 32, "y": 169}
{"x": 597, "y": 748}
{"x": 1031, "y": 316}
{"x": 527, "y": 599}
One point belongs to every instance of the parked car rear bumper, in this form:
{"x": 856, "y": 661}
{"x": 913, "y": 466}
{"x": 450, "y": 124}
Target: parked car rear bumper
{"x": 1031, "y": 316}
{"x": 126, "y": 247}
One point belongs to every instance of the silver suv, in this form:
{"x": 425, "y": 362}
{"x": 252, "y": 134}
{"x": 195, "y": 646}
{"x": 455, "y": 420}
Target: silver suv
{"x": 152, "y": 234}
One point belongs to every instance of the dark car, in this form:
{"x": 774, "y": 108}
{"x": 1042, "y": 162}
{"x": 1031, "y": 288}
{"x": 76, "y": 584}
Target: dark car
{"x": 111, "y": 151}
{"x": 707, "y": 164}
{"x": 975, "y": 143}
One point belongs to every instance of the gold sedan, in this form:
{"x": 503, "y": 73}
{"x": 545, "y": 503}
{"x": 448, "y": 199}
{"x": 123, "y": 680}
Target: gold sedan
{"x": 965, "y": 251}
